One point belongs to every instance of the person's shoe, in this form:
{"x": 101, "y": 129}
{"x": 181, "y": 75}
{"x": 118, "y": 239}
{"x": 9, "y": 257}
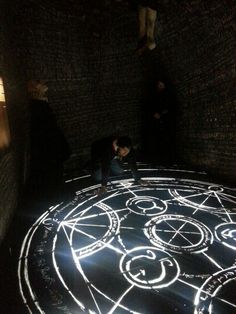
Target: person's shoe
{"x": 151, "y": 44}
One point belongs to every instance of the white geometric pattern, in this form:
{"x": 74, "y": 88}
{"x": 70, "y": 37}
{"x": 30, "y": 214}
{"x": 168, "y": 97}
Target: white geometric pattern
{"x": 99, "y": 254}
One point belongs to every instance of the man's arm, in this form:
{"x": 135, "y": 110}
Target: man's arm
{"x": 134, "y": 169}
{"x": 131, "y": 159}
{"x": 105, "y": 171}
{"x": 105, "y": 168}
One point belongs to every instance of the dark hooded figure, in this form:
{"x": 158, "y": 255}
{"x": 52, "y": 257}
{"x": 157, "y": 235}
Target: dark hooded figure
{"x": 160, "y": 109}
{"x": 49, "y": 148}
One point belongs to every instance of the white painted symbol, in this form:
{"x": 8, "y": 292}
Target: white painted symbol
{"x": 149, "y": 268}
{"x": 213, "y": 199}
{"x": 92, "y": 230}
{"x": 82, "y": 244}
{"x": 146, "y": 205}
{"x": 216, "y": 188}
{"x": 226, "y": 233}
{"x": 211, "y": 292}
{"x": 178, "y": 233}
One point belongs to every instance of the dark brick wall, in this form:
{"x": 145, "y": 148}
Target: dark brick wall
{"x": 8, "y": 192}
{"x": 13, "y": 160}
{"x": 86, "y": 53}
{"x": 197, "y": 44}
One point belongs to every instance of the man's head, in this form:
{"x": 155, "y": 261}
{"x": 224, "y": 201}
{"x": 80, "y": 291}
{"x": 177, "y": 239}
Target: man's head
{"x": 124, "y": 146}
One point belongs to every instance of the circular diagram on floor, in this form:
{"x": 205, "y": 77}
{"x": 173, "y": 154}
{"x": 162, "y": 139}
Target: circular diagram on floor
{"x": 166, "y": 247}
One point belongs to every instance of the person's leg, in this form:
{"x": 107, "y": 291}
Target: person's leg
{"x": 142, "y": 29}
{"x": 116, "y": 167}
{"x": 151, "y": 22}
{"x": 142, "y": 13}
{"x": 97, "y": 174}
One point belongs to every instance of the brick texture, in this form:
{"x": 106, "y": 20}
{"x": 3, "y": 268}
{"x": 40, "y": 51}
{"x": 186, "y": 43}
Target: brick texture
{"x": 8, "y": 192}
{"x": 86, "y": 53}
{"x": 197, "y": 44}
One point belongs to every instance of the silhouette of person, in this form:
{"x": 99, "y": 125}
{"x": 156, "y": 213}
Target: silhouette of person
{"x": 160, "y": 122}
{"x": 49, "y": 148}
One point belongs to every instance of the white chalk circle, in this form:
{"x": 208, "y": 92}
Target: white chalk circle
{"x": 226, "y": 233}
{"x": 146, "y": 205}
{"x": 149, "y": 268}
{"x": 178, "y": 233}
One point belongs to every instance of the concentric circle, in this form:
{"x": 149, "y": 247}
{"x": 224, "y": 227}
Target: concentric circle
{"x": 146, "y": 205}
{"x": 226, "y": 234}
{"x": 178, "y": 233}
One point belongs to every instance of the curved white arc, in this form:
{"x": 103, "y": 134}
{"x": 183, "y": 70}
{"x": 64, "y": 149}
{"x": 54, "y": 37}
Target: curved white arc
{"x": 24, "y": 256}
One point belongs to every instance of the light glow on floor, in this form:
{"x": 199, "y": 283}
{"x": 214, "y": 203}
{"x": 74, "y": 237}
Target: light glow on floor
{"x": 172, "y": 242}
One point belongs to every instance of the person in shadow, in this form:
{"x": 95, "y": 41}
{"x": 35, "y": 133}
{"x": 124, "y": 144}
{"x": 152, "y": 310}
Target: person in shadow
{"x": 48, "y": 146}
{"x": 108, "y": 156}
{"x": 160, "y": 122}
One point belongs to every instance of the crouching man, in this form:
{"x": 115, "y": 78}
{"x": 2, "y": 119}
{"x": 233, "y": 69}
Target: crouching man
{"x": 108, "y": 156}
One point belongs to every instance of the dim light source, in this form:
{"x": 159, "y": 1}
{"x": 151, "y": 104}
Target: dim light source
{"x": 4, "y": 126}
{"x": 2, "y": 94}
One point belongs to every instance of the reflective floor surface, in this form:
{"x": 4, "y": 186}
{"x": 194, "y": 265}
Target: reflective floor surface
{"x": 168, "y": 246}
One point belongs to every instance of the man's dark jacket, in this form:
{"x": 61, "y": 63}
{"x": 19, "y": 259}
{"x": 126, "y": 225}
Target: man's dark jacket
{"x": 102, "y": 153}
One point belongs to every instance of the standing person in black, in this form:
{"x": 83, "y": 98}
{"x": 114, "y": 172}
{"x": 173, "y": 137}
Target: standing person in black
{"x": 49, "y": 148}
{"x": 108, "y": 156}
{"x": 160, "y": 123}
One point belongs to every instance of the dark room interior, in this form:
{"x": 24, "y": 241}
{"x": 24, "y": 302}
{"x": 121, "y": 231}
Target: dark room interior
{"x": 158, "y": 237}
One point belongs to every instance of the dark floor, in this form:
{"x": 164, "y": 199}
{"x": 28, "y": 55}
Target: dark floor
{"x": 166, "y": 247}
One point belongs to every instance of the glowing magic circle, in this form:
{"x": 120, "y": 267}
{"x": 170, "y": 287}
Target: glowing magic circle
{"x": 168, "y": 246}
